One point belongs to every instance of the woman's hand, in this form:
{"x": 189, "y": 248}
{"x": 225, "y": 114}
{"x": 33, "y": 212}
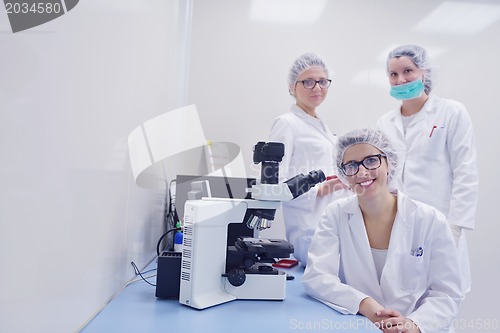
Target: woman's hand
{"x": 369, "y": 308}
{"x": 331, "y": 185}
{"x": 391, "y": 321}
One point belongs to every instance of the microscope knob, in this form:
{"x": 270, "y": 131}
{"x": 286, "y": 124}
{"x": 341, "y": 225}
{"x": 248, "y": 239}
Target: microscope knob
{"x": 236, "y": 277}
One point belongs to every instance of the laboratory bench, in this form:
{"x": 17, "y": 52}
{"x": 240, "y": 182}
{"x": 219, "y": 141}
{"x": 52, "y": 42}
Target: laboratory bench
{"x": 136, "y": 309}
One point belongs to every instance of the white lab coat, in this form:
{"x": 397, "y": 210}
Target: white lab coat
{"x": 341, "y": 272}
{"x": 439, "y": 168}
{"x": 309, "y": 145}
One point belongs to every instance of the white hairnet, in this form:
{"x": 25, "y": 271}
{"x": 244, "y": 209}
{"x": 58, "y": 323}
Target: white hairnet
{"x": 300, "y": 65}
{"x": 372, "y": 137}
{"x": 418, "y": 55}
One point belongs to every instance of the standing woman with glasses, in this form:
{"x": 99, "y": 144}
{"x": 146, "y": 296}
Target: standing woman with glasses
{"x": 379, "y": 253}
{"x": 437, "y": 146}
{"x": 309, "y": 145}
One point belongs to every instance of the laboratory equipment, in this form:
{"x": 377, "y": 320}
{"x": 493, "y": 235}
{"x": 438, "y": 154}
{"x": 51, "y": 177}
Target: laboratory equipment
{"x": 215, "y": 270}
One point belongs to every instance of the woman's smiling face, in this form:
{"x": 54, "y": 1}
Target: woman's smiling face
{"x": 366, "y": 183}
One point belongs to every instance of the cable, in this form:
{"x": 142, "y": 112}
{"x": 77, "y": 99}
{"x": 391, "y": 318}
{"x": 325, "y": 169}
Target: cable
{"x": 170, "y": 218}
{"x": 161, "y": 238}
{"x": 140, "y": 279}
{"x": 137, "y": 272}
{"x": 171, "y": 196}
{"x": 171, "y": 205}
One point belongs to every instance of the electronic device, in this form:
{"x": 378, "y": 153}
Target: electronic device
{"x": 168, "y": 275}
{"x": 216, "y": 269}
{"x": 220, "y": 187}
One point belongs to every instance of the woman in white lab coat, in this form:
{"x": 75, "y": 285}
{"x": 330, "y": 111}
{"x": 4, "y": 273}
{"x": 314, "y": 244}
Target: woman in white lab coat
{"x": 436, "y": 144}
{"x": 309, "y": 145}
{"x": 379, "y": 253}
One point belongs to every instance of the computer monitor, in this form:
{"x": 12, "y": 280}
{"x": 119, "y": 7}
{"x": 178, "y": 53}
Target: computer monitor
{"x": 220, "y": 187}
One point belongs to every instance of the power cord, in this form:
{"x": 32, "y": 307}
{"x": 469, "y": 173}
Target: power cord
{"x": 138, "y": 272}
{"x": 158, "y": 245}
{"x": 170, "y": 221}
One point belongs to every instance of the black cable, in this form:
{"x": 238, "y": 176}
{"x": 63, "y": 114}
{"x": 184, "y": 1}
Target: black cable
{"x": 137, "y": 272}
{"x": 171, "y": 205}
{"x": 170, "y": 218}
{"x": 161, "y": 238}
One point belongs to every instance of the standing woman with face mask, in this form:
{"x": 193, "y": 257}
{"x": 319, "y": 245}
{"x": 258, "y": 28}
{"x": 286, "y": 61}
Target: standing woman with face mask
{"x": 309, "y": 145}
{"x": 437, "y": 145}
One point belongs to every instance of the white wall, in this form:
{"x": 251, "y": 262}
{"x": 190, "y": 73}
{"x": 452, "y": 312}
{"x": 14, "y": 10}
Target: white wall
{"x": 71, "y": 90}
{"x": 238, "y": 76}
{"x": 71, "y": 217}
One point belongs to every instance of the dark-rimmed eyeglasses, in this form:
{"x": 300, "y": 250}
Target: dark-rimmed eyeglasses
{"x": 371, "y": 162}
{"x": 310, "y": 84}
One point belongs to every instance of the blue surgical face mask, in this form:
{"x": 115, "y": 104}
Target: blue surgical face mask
{"x": 410, "y": 90}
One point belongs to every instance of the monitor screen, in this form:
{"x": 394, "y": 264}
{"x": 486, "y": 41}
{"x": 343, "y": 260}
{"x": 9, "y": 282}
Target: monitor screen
{"x": 220, "y": 187}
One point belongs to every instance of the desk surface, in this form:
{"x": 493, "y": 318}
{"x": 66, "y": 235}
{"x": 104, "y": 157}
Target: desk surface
{"x": 136, "y": 309}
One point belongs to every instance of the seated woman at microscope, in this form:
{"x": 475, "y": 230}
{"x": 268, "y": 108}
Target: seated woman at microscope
{"x": 379, "y": 253}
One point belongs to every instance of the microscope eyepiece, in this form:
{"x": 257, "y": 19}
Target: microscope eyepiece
{"x": 300, "y": 184}
{"x": 270, "y": 154}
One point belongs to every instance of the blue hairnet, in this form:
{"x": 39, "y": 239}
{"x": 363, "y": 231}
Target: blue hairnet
{"x": 418, "y": 55}
{"x": 372, "y": 137}
{"x": 300, "y": 65}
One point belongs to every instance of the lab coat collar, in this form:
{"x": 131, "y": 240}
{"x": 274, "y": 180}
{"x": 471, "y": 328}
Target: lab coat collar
{"x": 428, "y": 107}
{"x": 402, "y": 224}
{"x": 357, "y": 227}
{"x": 317, "y": 123}
{"x": 352, "y": 206}
{"x": 395, "y": 118}
{"x": 405, "y": 205}
{"x": 397, "y": 242}
{"x": 430, "y": 104}
{"x": 297, "y": 110}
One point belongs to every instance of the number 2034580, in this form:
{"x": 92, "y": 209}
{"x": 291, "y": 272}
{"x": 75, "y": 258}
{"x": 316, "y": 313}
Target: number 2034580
{"x": 33, "y": 8}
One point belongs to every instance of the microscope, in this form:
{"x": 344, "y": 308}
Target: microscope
{"x": 215, "y": 270}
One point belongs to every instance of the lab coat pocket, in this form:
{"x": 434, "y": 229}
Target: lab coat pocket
{"x": 413, "y": 274}
{"x": 434, "y": 144}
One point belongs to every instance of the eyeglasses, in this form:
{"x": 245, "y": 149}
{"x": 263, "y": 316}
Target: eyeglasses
{"x": 370, "y": 163}
{"x": 310, "y": 84}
